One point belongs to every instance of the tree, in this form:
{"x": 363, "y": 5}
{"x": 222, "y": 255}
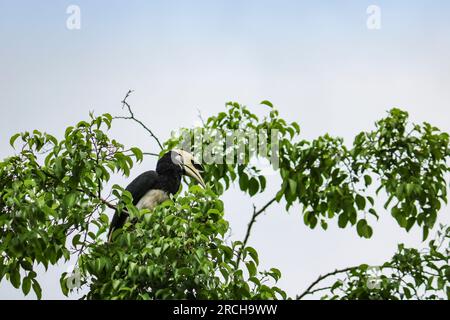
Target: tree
{"x": 54, "y": 204}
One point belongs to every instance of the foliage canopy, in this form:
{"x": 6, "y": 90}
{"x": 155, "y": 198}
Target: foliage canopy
{"x": 55, "y": 202}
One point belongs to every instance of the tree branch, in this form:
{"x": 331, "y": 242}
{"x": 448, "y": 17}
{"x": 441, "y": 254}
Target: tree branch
{"x": 150, "y": 154}
{"x": 254, "y": 216}
{"x": 250, "y": 225}
{"x": 104, "y": 201}
{"x": 132, "y": 117}
{"x": 320, "y": 278}
{"x": 320, "y": 289}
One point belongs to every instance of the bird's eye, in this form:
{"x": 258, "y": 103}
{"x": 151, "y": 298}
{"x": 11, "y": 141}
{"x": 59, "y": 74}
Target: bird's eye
{"x": 197, "y": 166}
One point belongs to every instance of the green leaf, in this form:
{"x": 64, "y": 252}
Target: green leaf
{"x": 76, "y": 240}
{"x": 262, "y": 182}
{"x": 69, "y": 199}
{"x": 14, "y": 277}
{"x": 369, "y": 232}
{"x": 37, "y": 289}
{"x": 342, "y": 220}
{"x": 425, "y": 230}
{"x": 407, "y": 292}
{"x": 360, "y": 227}
{"x": 364, "y": 230}
{"x": 360, "y": 202}
{"x": 251, "y": 267}
{"x": 276, "y": 273}
{"x": 267, "y": 103}
{"x": 243, "y": 181}
{"x": 292, "y": 186}
{"x": 253, "y": 186}
{"x": 336, "y": 285}
{"x": 63, "y": 284}
{"x": 253, "y": 254}
{"x": 374, "y": 213}
{"x": 224, "y": 273}
{"x": 363, "y": 267}
{"x": 26, "y": 285}
{"x": 13, "y": 139}
{"x": 367, "y": 180}
{"x": 137, "y": 153}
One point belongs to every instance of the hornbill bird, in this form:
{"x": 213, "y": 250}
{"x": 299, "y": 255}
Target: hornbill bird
{"x": 154, "y": 187}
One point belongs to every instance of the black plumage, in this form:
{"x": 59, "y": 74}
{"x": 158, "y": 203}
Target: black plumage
{"x": 152, "y": 187}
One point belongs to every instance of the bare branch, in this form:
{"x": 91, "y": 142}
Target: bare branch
{"x": 320, "y": 278}
{"x": 254, "y": 216}
{"x": 201, "y": 117}
{"x": 320, "y": 289}
{"x": 250, "y": 225}
{"x": 150, "y": 154}
{"x": 132, "y": 117}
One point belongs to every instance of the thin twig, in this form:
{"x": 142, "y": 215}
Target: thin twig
{"x": 106, "y": 202}
{"x": 254, "y": 216}
{"x": 86, "y": 232}
{"x": 150, "y": 154}
{"x": 201, "y": 117}
{"x": 132, "y": 117}
{"x": 320, "y": 278}
{"x": 320, "y": 289}
{"x": 145, "y": 153}
{"x": 250, "y": 225}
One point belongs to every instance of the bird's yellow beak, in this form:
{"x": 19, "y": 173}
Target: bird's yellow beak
{"x": 192, "y": 168}
{"x": 194, "y": 173}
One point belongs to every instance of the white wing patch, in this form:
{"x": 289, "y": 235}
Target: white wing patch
{"x": 151, "y": 199}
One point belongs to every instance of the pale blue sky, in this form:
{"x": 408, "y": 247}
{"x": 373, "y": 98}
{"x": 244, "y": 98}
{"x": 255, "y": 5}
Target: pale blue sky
{"x": 317, "y": 62}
